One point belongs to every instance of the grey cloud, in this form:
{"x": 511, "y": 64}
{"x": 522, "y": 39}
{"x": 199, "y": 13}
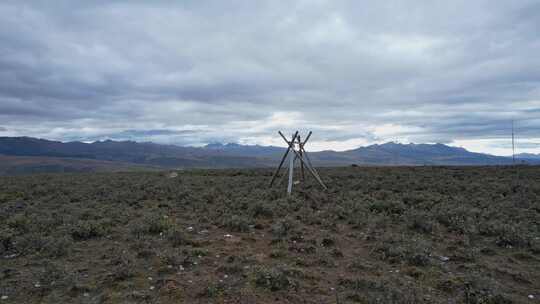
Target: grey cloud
{"x": 134, "y": 69}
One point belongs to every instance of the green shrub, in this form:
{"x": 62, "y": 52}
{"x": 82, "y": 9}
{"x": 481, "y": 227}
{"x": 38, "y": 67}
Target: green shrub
{"x": 7, "y": 236}
{"x": 513, "y": 236}
{"x": 260, "y": 209}
{"x": 177, "y": 237}
{"x": 387, "y": 206}
{"x": 86, "y": 230}
{"x": 157, "y": 225}
{"x": 29, "y": 243}
{"x": 57, "y": 247}
{"x": 420, "y": 222}
{"x": 479, "y": 291}
{"x": 236, "y": 223}
{"x": 150, "y": 224}
{"x": 19, "y": 222}
{"x": 273, "y": 279}
{"x": 283, "y": 228}
{"x": 213, "y": 290}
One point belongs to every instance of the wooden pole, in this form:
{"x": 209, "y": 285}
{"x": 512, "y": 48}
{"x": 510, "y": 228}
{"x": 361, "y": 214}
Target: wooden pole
{"x": 297, "y": 153}
{"x": 302, "y": 175}
{"x": 307, "y": 166}
{"x": 307, "y": 138}
{"x": 314, "y": 172}
{"x": 284, "y": 156}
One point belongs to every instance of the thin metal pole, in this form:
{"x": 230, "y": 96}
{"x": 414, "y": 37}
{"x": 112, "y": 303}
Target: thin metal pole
{"x": 291, "y": 166}
{"x": 513, "y": 149}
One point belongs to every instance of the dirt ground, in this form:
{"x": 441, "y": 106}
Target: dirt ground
{"x": 378, "y": 235}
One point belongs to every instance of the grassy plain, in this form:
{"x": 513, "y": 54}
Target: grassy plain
{"x": 378, "y": 235}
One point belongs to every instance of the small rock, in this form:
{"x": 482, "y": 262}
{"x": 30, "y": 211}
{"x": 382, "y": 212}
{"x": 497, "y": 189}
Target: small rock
{"x": 4, "y": 297}
{"x": 86, "y": 294}
{"x": 530, "y": 296}
{"x": 37, "y": 285}
{"x": 227, "y": 235}
{"x": 149, "y": 278}
{"x": 444, "y": 258}
{"x": 189, "y": 228}
{"x": 152, "y": 287}
{"x": 172, "y": 175}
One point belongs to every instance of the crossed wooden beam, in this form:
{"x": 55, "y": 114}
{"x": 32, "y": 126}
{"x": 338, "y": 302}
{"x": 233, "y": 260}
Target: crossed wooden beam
{"x": 296, "y": 146}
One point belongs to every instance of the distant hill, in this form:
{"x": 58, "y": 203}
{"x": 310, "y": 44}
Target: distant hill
{"x": 528, "y": 156}
{"x": 42, "y": 155}
{"x": 122, "y": 153}
{"x": 423, "y": 154}
{"x": 15, "y": 165}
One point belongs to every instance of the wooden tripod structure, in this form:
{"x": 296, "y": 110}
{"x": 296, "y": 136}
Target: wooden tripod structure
{"x": 296, "y": 147}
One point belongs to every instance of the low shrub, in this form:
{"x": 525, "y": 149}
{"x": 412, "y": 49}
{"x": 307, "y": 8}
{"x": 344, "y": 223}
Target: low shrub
{"x": 7, "y": 236}
{"x": 273, "y": 278}
{"x": 19, "y": 222}
{"x": 260, "y": 209}
{"x": 85, "y": 230}
{"x": 57, "y": 247}
{"x": 150, "y": 224}
{"x": 236, "y": 223}
{"x": 29, "y": 243}
{"x": 177, "y": 237}
{"x": 283, "y": 228}
{"x": 387, "y": 206}
{"x": 420, "y": 222}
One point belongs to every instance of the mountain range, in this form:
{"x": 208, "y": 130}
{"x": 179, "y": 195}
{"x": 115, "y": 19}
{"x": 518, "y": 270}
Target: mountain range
{"x": 27, "y": 154}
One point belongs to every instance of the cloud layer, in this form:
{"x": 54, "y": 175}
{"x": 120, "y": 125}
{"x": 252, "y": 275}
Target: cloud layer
{"x": 204, "y": 71}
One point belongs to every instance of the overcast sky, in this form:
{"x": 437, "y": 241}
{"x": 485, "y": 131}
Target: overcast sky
{"x": 353, "y": 72}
